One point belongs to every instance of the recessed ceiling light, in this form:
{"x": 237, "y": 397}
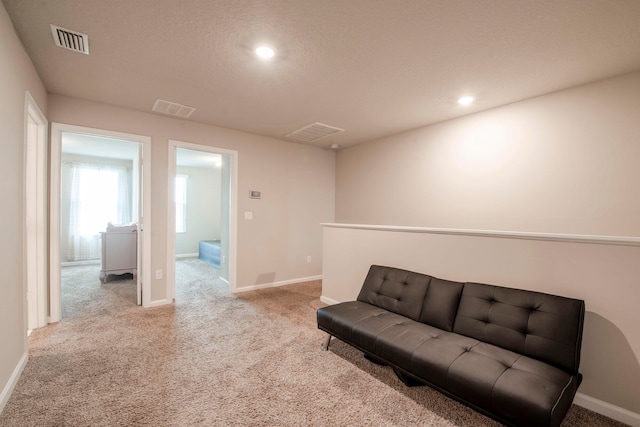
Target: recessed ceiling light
{"x": 265, "y": 52}
{"x": 466, "y": 100}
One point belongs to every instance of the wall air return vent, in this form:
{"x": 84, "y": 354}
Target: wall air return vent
{"x": 172, "y": 108}
{"x": 71, "y": 40}
{"x": 314, "y": 132}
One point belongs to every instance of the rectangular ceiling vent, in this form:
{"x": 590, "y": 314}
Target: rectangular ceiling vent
{"x": 314, "y": 132}
{"x": 172, "y": 108}
{"x": 71, "y": 40}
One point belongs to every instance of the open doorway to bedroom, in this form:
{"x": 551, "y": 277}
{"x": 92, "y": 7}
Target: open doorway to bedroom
{"x": 99, "y": 188}
{"x": 99, "y": 198}
{"x": 201, "y": 235}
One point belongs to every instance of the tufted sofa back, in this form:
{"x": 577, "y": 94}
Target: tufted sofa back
{"x": 542, "y": 326}
{"x": 417, "y": 296}
{"x": 395, "y": 290}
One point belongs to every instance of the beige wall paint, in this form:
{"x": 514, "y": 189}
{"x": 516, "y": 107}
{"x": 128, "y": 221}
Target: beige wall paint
{"x": 297, "y": 184}
{"x": 17, "y": 75}
{"x": 563, "y": 163}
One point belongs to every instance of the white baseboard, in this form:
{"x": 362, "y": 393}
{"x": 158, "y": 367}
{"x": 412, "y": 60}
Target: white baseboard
{"x": 328, "y": 300}
{"x": 78, "y": 263}
{"x": 276, "y": 284}
{"x": 178, "y": 256}
{"x": 158, "y": 303}
{"x": 607, "y": 409}
{"x": 13, "y": 380}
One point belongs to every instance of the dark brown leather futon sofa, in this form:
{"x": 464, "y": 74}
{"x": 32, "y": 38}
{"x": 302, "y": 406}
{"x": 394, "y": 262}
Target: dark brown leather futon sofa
{"x": 508, "y": 353}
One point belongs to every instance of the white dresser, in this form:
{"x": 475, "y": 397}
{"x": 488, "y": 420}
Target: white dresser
{"x": 119, "y": 250}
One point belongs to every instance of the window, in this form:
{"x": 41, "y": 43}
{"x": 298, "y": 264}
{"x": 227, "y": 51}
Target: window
{"x": 99, "y": 194}
{"x": 97, "y": 199}
{"x": 181, "y": 203}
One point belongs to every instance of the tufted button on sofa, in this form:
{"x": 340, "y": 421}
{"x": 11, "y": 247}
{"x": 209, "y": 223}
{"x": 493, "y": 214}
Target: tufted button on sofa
{"x": 511, "y": 354}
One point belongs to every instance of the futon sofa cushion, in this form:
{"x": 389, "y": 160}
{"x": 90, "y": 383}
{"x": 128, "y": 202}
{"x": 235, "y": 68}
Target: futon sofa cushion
{"x": 395, "y": 290}
{"x": 441, "y": 303}
{"x": 498, "y": 380}
{"x": 542, "y": 326}
{"x": 417, "y": 296}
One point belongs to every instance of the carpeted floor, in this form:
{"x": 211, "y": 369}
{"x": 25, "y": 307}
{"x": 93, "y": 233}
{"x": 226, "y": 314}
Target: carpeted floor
{"x": 213, "y": 359}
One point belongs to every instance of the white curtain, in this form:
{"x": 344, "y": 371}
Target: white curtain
{"x": 99, "y": 195}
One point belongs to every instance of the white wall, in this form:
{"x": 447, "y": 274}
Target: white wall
{"x": 297, "y": 184}
{"x": 203, "y": 208}
{"x": 566, "y": 162}
{"x": 17, "y": 75}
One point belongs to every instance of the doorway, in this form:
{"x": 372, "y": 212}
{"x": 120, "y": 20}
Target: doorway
{"x": 202, "y": 219}
{"x": 86, "y": 163}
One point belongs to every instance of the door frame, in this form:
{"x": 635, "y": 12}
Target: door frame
{"x": 144, "y": 243}
{"x": 171, "y": 214}
{"x": 35, "y": 208}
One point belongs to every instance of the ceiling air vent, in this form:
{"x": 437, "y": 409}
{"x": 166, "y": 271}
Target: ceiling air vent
{"x": 71, "y": 40}
{"x": 314, "y": 132}
{"x": 172, "y": 108}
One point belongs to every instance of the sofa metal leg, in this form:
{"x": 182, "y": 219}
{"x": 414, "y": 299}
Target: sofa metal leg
{"x": 325, "y": 344}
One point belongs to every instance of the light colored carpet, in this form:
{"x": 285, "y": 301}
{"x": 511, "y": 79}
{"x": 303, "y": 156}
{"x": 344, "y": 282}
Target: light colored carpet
{"x": 213, "y": 359}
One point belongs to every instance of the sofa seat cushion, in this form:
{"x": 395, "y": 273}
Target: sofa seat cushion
{"x": 514, "y": 386}
{"x": 501, "y": 381}
{"x": 358, "y": 323}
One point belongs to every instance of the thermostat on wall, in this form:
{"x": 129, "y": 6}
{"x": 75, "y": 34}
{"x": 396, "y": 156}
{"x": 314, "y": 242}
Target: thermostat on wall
{"x": 255, "y": 194}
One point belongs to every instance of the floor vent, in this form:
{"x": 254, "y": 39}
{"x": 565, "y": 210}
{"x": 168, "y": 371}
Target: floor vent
{"x": 314, "y": 132}
{"x": 172, "y": 108}
{"x": 71, "y": 40}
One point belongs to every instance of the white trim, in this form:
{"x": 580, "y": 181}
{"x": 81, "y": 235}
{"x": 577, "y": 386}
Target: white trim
{"x": 328, "y": 300}
{"x": 525, "y": 235}
{"x": 54, "y": 208}
{"x": 187, "y": 255}
{"x": 81, "y": 262}
{"x": 35, "y": 200}
{"x": 158, "y": 303}
{"x": 170, "y": 270}
{"x": 276, "y": 284}
{"x": 607, "y": 409}
{"x": 233, "y": 208}
{"x": 13, "y": 380}
{"x": 55, "y": 301}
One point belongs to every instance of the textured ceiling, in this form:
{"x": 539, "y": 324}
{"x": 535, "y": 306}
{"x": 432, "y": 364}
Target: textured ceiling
{"x": 371, "y": 67}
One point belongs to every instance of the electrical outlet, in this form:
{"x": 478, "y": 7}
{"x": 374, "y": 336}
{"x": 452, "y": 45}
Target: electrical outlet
{"x": 158, "y": 274}
{"x": 308, "y": 258}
